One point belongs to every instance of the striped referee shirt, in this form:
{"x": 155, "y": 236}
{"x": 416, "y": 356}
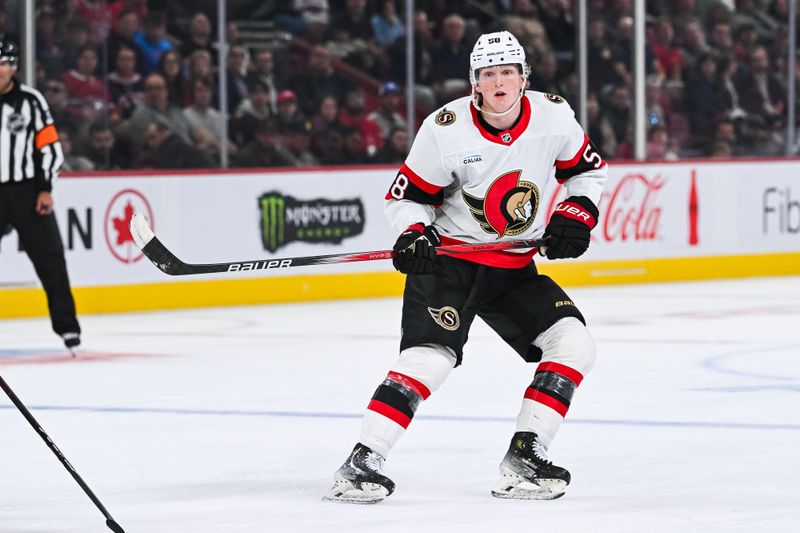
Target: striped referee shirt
{"x": 29, "y": 147}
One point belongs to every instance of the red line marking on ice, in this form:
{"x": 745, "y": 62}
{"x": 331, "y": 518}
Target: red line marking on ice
{"x": 82, "y": 357}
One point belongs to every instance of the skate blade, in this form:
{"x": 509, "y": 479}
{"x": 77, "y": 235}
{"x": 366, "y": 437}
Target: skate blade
{"x": 517, "y": 488}
{"x": 345, "y": 492}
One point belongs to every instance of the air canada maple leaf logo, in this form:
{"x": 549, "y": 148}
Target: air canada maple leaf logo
{"x": 122, "y": 225}
{"x": 116, "y": 224}
{"x": 509, "y": 207}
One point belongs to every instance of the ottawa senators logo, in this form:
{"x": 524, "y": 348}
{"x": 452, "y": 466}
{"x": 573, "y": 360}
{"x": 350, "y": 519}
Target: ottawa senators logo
{"x": 554, "y": 98}
{"x": 445, "y": 117}
{"x": 509, "y": 207}
{"x": 447, "y": 317}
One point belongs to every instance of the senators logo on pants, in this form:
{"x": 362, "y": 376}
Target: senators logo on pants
{"x": 509, "y": 207}
{"x": 447, "y": 317}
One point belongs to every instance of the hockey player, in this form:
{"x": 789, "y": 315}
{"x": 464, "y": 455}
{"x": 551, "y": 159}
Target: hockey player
{"x": 478, "y": 171}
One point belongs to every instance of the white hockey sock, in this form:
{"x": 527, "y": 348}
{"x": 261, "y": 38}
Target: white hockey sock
{"x": 567, "y": 355}
{"x": 380, "y": 432}
{"x": 540, "y": 419}
{"x": 419, "y": 371}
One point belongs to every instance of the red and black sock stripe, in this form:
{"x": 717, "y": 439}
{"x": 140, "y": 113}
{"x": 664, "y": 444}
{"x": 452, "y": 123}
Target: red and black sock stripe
{"x": 553, "y": 385}
{"x": 398, "y": 397}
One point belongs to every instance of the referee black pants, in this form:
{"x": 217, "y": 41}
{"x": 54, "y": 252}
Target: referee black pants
{"x": 41, "y": 240}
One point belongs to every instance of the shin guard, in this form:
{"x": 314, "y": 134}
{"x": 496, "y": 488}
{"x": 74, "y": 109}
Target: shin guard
{"x": 568, "y": 354}
{"x": 419, "y": 371}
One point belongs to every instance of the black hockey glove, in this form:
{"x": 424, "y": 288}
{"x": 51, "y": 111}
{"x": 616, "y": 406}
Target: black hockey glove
{"x": 415, "y": 249}
{"x": 567, "y": 233}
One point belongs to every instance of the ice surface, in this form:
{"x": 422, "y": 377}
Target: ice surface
{"x": 234, "y": 420}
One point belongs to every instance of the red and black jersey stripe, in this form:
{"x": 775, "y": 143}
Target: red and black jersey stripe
{"x": 586, "y": 159}
{"x": 553, "y": 385}
{"x": 408, "y": 185}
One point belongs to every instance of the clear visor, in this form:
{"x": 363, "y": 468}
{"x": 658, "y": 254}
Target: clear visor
{"x": 520, "y": 69}
{"x": 504, "y": 72}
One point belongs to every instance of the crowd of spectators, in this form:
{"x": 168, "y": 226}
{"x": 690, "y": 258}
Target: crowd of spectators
{"x": 134, "y": 83}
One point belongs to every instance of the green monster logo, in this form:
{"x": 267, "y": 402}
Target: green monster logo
{"x": 273, "y": 213}
{"x": 285, "y": 219}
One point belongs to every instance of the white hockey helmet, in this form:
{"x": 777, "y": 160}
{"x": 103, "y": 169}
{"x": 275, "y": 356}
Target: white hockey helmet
{"x": 493, "y": 49}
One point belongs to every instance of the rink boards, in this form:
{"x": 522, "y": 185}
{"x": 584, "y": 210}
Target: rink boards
{"x": 659, "y": 222}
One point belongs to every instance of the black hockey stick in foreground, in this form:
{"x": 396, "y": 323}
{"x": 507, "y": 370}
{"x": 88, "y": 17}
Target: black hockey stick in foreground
{"x": 112, "y": 525}
{"x": 169, "y": 264}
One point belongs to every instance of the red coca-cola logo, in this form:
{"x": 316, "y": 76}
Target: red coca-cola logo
{"x": 630, "y": 210}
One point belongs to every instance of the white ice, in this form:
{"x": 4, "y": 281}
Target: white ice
{"x": 232, "y": 420}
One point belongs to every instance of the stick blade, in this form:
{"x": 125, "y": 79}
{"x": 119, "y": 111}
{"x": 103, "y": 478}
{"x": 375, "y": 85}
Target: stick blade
{"x": 113, "y": 526}
{"x": 140, "y": 230}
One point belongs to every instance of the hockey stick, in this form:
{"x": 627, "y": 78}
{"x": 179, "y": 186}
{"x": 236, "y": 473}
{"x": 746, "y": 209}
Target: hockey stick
{"x": 169, "y": 264}
{"x": 110, "y": 522}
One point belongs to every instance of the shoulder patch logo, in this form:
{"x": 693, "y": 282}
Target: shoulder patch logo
{"x": 447, "y": 317}
{"x": 554, "y": 98}
{"x": 445, "y": 117}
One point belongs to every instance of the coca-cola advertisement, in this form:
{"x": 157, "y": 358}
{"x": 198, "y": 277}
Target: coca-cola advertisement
{"x": 632, "y": 209}
{"x": 644, "y": 211}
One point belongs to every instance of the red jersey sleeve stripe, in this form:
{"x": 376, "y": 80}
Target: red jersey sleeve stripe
{"x": 574, "y": 160}
{"x": 569, "y": 373}
{"x": 414, "y": 178}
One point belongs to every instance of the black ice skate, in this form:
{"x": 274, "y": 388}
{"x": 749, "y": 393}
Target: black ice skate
{"x": 359, "y": 480}
{"x": 71, "y": 341}
{"x": 527, "y": 474}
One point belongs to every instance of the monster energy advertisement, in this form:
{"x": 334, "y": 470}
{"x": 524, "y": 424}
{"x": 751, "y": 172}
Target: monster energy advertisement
{"x": 285, "y": 219}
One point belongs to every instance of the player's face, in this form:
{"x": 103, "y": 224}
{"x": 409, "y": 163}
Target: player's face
{"x": 499, "y": 86}
{"x": 7, "y": 71}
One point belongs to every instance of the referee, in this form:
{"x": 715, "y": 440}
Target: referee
{"x": 30, "y": 157}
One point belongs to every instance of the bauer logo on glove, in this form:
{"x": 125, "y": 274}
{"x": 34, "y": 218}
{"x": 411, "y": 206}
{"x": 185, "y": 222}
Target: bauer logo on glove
{"x": 567, "y": 233}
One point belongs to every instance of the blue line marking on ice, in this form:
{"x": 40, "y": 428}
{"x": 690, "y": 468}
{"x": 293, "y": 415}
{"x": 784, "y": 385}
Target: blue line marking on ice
{"x": 17, "y": 354}
{"x": 444, "y": 418}
{"x": 789, "y": 387}
{"x": 714, "y": 363}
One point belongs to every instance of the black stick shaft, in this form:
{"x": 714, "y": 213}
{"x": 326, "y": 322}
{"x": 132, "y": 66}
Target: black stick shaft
{"x": 50, "y": 444}
{"x": 168, "y": 263}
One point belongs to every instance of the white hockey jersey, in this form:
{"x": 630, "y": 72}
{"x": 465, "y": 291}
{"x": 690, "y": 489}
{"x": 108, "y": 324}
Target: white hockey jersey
{"x": 475, "y": 185}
